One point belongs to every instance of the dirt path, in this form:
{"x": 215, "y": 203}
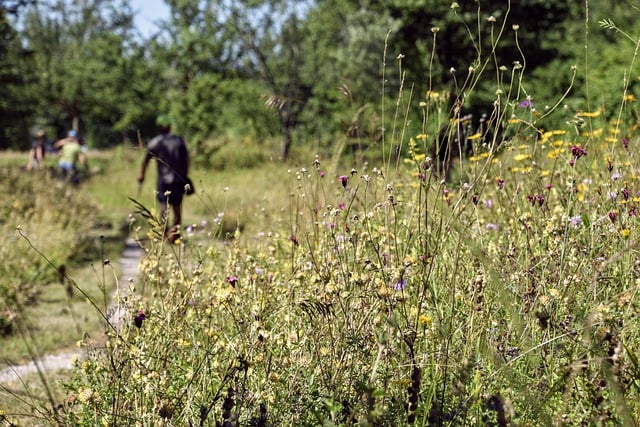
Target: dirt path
{"x": 52, "y": 362}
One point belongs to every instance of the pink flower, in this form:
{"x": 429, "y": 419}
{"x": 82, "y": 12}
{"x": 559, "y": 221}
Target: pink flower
{"x": 343, "y": 180}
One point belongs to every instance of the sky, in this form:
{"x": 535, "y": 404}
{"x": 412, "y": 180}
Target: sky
{"x": 147, "y": 12}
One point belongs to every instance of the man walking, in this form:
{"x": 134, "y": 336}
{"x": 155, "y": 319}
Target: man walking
{"x": 172, "y": 157}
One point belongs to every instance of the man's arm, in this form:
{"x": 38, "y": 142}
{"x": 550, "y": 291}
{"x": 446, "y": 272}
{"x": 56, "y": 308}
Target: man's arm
{"x": 143, "y": 169}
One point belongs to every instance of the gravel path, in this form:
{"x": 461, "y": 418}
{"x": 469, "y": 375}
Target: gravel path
{"x": 53, "y": 362}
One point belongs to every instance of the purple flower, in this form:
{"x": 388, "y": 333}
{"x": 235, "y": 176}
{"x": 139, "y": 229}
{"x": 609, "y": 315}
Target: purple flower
{"x": 500, "y": 183}
{"x": 613, "y": 215}
{"x": 576, "y": 221}
{"x": 536, "y": 199}
{"x": 625, "y": 143}
{"x": 578, "y": 151}
{"x": 294, "y": 240}
{"x": 626, "y": 193}
{"x": 139, "y": 318}
{"x": 400, "y": 284}
{"x": 526, "y": 103}
{"x": 488, "y": 203}
{"x": 232, "y": 280}
{"x": 616, "y": 176}
{"x": 343, "y": 180}
{"x": 493, "y": 227}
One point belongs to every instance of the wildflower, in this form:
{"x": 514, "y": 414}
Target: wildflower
{"x": 526, "y": 103}
{"x": 578, "y": 151}
{"x": 294, "y": 240}
{"x": 625, "y": 193}
{"x": 616, "y": 176}
{"x": 536, "y": 198}
{"x": 613, "y": 215}
{"x": 625, "y": 233}
{"x": 400, "y": 284}
{"x": 321, "y": 173}
{"x": 139, "y": 318}
{"x": 425, "y": 320}
{"x": 492, "y": 227}
{"x": 488, "y": 203}
{"x": 500, "y": 183}
{"x": 576, "y": 221}
{"x": 343, "y": 180}
{"x": 232, "y": 280}
{"x": 625, "y": 143}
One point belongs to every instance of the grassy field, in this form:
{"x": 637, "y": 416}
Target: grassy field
{"x": 339, "y": 293}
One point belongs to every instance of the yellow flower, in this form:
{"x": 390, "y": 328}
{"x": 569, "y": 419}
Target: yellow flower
{"x": 630, "y": 97}
{"x": 555, "y": 153}
{"x": 425, "y": 320}
{"x": 590, "y": 114}
{"x": 432, "y": 95}
{"x": 625, "y": 233}
{"x": 475, "y": 136}
{"x": 521, "y": 157}
{"x": 595, "y": 133}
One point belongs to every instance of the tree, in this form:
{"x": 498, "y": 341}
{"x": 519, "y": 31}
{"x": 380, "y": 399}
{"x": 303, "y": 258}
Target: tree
{"x": 85, "y": 64}
{"x": 15, "y": 75}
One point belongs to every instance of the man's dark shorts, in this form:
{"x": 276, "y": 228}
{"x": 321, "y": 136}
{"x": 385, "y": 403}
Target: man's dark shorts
{"x": 173, "y": 199}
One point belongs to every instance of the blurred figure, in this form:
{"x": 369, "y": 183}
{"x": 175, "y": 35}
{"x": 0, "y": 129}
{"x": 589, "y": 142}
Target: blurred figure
{"x": 172, "y": 158}
{"x": 37, "y": 152}
{"x": 71, "y": 153}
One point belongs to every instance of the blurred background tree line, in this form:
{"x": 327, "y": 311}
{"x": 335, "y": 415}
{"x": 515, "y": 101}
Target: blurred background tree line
{"x": 303, "y": 71}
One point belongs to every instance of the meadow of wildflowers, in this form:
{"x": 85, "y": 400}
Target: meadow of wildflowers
{"x": 387, "y": 296}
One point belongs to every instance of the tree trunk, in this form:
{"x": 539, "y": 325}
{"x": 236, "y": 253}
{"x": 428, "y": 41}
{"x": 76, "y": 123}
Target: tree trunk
{"x": 286, "y": 141}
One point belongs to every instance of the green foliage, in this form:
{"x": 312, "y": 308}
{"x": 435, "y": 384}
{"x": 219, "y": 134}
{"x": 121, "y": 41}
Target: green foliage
{"x": 51, "y": 219}
{"x": 16, "y": 104}
{"x": 391, "y": 298}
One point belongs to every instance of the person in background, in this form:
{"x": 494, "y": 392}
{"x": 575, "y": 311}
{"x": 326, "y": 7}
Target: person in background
{"x": 172, "y": 158}
{"x": 36, "y": 154}
{"x": 71, "y": 153}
